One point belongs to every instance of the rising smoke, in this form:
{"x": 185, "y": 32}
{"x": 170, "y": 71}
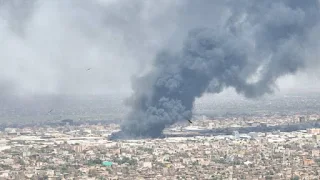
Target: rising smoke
{"x": 213, "y": 59}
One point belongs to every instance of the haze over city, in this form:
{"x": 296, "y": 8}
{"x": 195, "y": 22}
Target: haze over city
{"x": 119, "y": 88}
{"x": 47, "y": 45}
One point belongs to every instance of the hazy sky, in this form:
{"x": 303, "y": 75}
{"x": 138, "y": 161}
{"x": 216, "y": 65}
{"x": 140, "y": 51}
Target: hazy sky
{"x": 46, "y": 46}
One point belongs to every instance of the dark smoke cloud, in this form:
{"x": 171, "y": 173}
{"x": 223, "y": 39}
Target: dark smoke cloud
{"x": 261, "y": 40}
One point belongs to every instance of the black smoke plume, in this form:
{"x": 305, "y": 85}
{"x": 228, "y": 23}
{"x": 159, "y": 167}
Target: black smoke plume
{"x": 261, "y": 39}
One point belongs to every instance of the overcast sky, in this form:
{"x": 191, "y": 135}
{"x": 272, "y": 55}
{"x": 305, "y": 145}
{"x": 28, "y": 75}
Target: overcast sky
{"x": 46, "y": 46}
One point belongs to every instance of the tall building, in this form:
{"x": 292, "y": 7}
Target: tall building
{"x": 302, "y": 119}
{"x": 236, "y": 134}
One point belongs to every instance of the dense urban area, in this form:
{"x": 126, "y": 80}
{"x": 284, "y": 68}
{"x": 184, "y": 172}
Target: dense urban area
{"x": 85, "y": 152}
{"x": 229, "y": 138}
{"x": 159, "y": 90}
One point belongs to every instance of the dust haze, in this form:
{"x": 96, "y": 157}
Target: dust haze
{"x": 47, "y": 46}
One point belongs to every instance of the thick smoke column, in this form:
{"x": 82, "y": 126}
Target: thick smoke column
{"x": 213, "y": 59}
